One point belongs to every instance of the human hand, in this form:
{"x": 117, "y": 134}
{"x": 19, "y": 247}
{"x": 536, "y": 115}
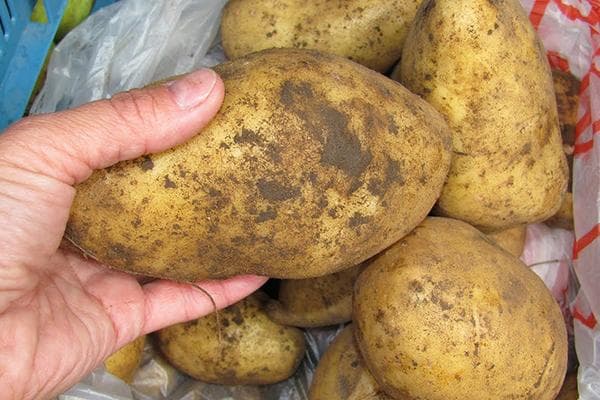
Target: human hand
{"x": 60, "y": 314}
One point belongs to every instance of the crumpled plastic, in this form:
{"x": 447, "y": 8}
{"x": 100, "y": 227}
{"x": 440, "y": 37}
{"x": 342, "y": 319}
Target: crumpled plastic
{"x": 128, "y": 45}
{"x": 136, "y": 42}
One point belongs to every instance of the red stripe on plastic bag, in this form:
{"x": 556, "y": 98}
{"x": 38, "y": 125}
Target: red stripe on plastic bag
{"x": 537, "y": 12}
{"x": 583, "y": 123}
{"x": 589, "y": 321}
{"x": 585, "y": 241}
{"x": 584, "y": 147}
{"x": 573, "y": 13}
{"x": 558, "y": 61}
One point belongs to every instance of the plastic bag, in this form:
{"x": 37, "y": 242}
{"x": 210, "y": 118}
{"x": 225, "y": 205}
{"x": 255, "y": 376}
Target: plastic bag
{"x": 570, "y": 30}
{"x": 128, "y": 45}
{"x": 135, "y": 42}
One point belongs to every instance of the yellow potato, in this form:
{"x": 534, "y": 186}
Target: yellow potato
{"x": 246, "y": 348}
{"x": 315, "y": 302}
{"x": 445, "y": 314}
{"x": 369, "y": 32}
{"x": 313, "y": 164}
{"x": 481, "y": 64}
{"x": 124, "y": 363}
{"x": 511, "y": 240}
{"x": 564, "y": 217}
{"x": 342, "y": 375}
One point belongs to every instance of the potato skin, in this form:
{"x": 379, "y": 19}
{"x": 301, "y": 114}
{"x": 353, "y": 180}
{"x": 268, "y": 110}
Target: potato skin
{"x": 511, "y": 240}
{"x": 254, "y": 350}
{"x": 315, "y": 302}
{"x": 564, "y": 217}
{"x": 446, "y": 314}
{"x": 481, "y": 64}
{"x": 125, "y": 362}
{"x": 313, "y": 164}
{"x": 342, "y": 375}
{"x": 369, "y": 32}
{"x": 566, "y": 87}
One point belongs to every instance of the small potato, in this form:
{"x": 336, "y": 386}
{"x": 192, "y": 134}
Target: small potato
{"x": 315, "y": 302}
{"x": 369, "y": 32}
{"x": 124, "y": 363}
{"x": 445, "y": 314}
{"x": 511, "y": 240}
{"x": 312, "y": 165}
{"x": 342, "y": 374}
{"x": 245, "y": 348}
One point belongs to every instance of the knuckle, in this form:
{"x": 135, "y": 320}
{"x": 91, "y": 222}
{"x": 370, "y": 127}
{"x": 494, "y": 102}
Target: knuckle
{"x": 136, "y": 110}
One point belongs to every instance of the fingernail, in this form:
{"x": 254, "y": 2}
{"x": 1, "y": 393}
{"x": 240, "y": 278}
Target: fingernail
{"x": 192, "y": 89}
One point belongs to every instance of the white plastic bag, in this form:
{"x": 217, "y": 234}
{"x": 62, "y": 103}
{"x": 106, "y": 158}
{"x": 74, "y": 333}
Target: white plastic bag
{"x": 128, "y": 45}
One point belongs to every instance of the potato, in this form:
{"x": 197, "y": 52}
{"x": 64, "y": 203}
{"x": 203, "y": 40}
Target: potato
{"x": 124, "y": 363}
{"x": 566, "y": 87}
{"x": 253, "y": 350}
{"x": 313, "y": 164}
{"x": 446, "y": 314}
{"x": 569, "y": 389}
{"x": 342, "y": 375}
{"x": 369, "y": 32}
{"x": 564, "y": 217}
{"x": 567, "y": 97}
{"x": 481, "y": 64}
{"x": 511, "y": 240}
{"x": 315, "y": 302}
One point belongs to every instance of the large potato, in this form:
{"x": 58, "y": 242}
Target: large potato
{"x": 369, "y": 32}
{"x": 480, "y": 63}
{"x": 342, "y": 374}
{"x": 125, "y": 362}
{"x": 445, "y": 314}
{"x": 511, "y": 240}
{"x": 313, "y": 164}
{"x": 244, "y": 348}
{"x": 315, "y": 302}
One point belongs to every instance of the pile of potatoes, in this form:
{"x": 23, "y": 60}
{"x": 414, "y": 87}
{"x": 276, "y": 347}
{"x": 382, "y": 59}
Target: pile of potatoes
{"x": 399, "y": 204}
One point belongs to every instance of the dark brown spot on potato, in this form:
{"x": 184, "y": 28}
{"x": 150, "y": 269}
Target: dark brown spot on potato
{"x": 357, "y": 220}
{"x": 341, "y": 147}
{"x": 147, "y": 163}
{"x": 416, "y": 286}
{"x": 274, "y": 191}
{"x": 266, "y": 215}
{"x": 247, "y": 136}
{"x": 169, "y": 184}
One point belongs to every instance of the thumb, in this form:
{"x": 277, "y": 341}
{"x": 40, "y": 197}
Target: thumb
{"x": 69, "y": 145}
{"x": 42, "y": 157}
